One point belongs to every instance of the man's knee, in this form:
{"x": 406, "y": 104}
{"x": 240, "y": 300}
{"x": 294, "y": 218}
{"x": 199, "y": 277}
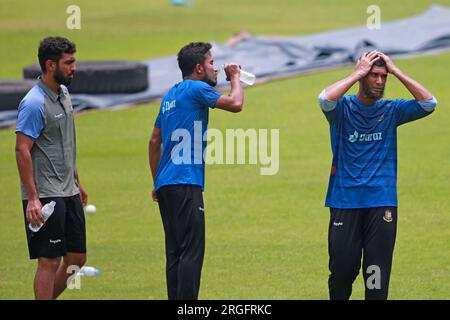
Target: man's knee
{"x": 49, "y": 263}
{"x": 75, "y": 259}
{"x": 345, "y": 272}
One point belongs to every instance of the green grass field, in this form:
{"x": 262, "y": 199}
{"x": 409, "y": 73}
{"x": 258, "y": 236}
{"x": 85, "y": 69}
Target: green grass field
{"x": 266, "y": 236}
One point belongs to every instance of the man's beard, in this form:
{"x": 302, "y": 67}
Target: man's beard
{"x": 210, "y": 81}
{"x": 59, "y": 78}
{"x": 372, "y": 95}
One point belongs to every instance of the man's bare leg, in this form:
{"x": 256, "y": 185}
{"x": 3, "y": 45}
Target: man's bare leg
{"x": 70, "y": 259}
{"x": 44, "y": 280}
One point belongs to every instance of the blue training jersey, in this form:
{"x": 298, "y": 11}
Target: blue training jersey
{"x": 364, "y": 146}
{"x": 183, "y": 120}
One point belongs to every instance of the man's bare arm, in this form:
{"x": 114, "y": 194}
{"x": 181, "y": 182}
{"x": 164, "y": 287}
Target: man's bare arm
{"x": 418, "y": 91}
{"x": 235, "y": 100}
{"x": 154, "y": 155}
{"x": 25, "y": 167}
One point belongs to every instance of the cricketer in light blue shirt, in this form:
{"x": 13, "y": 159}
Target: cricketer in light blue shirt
{"x": 183, "y": 120}
{"x": 364, "y": 146}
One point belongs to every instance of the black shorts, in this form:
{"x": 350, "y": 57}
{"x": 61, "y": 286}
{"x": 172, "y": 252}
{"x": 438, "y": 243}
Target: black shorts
{"x": 64, "y": 231}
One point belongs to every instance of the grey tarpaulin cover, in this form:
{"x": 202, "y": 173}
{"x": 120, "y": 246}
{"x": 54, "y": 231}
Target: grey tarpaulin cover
{"x": 269, "y": 57}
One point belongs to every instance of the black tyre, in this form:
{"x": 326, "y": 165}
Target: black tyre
{"x": 100, "y": 77}
{"x": 12, "y": 92}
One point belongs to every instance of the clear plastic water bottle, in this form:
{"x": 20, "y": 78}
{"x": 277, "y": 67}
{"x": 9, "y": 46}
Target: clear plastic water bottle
{"x": 245, "y": 76}
{"x": 89, "y": 271}
{"x": 46, "y": 211}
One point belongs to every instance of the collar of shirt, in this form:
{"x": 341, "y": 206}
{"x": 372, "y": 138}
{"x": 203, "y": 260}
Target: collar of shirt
{"x": 49, "y": 92}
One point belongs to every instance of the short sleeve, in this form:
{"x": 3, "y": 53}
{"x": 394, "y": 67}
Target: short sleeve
{"x": 207, "y": 94}
{"x": 333, "y": 114}
{"x": 325, "y": 104}
{"x": 30, "y": 118}
{"x": 408, "y": 110}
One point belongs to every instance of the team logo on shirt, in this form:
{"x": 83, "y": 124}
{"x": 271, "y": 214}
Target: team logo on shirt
{"x": 169, "y": 105}
{"x": 387, "y": 216}
{"x": 365, "y": 137}
{"x": 353, "y": 137}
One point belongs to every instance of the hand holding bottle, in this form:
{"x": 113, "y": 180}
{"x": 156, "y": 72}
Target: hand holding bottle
{"x": 234, "y": 69}
{"x": 46, "y": 212}
{"x": 231, "y": 70}
{"x": 33, "y": 212}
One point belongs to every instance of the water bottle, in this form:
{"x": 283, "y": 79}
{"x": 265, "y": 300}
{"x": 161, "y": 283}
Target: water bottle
{"x": 46, "y": 211}
{"x": 245, "y": 76}
{"x": 183, "y": 3}
{"x": 89, "y": 271}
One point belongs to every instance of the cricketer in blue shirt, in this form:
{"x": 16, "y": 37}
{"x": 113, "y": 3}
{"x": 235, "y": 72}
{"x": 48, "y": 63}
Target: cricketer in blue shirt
{"x": 183, "y": 120}
{"x": 364, "y": 145}
{"x": 362, "y": 191}
{"x": 178, "y": 167}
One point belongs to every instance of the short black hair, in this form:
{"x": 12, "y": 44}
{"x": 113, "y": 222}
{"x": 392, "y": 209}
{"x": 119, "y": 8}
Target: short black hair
{"x": 380, "y": 62}
{"x": 191, "y": 55}
{"x": 52, "y": 48}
